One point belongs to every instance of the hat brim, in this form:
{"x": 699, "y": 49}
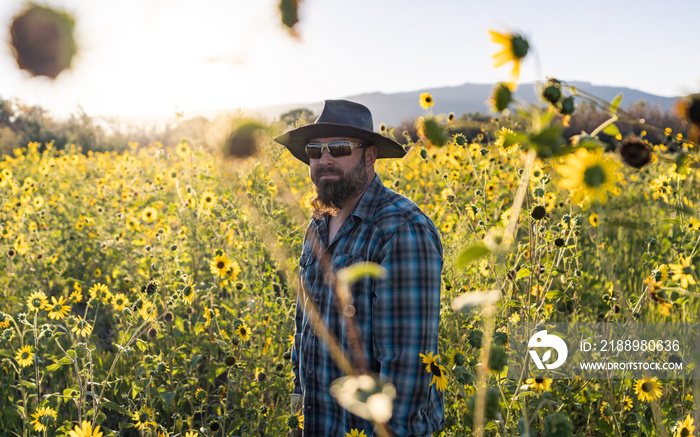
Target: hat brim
{"x": 296, "y": 139}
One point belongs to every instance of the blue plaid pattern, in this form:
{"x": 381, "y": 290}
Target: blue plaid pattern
{"x": 397, "y": 316}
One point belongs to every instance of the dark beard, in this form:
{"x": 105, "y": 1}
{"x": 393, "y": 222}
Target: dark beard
{"x": 331, "y": 195}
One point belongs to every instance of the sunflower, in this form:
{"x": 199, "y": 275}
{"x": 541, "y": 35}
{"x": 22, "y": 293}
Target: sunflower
{"x": 514, "y": 49}
{"x": 101, "y": 292}
{"x": 191, "y": 434}
{"x": 149, "y": 214}
{"x": 593, "y": 220}
{"x": 220, "y": 265}
{"x": 188, "y": 294}
{"x": 43, "y": 418}
{"x": 627, "y": 403}
{"x": 426, "y": 101}
{"x": 25, "y": 356}
{"x": 57, "y": 308}
{"x": 37, "y": 301}
{"x": 148, "y": 311}
{"x": 119, "y": 302}
{"x": 683, "y": 272}
{"x": 355, "y": 433}
{"x": 539, "y": 383}
{"x": 132, "y": 223}
{"x": 647, "y": 389}
{"x": 243, "y": 331}
{"x": 4, "y": 320}
{"x": 437, "y": 369}
{"x": 82, "y": 327}
{"x": 144, "y": 419}
{"x": 183, "y": 149}
{"x": 589, "y": 175}
{"x": 295, "y": 421}
{"x": 685, "y": 428}
{"x": 85, "y": 430}
{"x": 208, "y": 200}
{"x": 38, "y": 202}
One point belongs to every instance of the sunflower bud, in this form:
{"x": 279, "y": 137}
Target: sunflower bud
{"x": 567, "y": 106}
{"x": 502, "y": 97}
{"x": 538, "y": 212}
{"x": 552, "y": 92}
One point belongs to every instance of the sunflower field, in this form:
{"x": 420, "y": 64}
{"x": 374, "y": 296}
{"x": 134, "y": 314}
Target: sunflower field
{"x": 152, "y": 292}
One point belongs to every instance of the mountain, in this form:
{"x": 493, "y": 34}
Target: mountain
{"x": 394, "y": 108}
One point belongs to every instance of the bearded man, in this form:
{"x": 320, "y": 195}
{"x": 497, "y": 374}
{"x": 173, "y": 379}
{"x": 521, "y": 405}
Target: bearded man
{"x": 394, "y": 319}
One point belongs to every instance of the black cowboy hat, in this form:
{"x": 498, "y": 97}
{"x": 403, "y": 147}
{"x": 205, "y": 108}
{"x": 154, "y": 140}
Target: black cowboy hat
{"x": 340, "y": 118}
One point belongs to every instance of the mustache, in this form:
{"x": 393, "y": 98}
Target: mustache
{"x": 327, "y": 171}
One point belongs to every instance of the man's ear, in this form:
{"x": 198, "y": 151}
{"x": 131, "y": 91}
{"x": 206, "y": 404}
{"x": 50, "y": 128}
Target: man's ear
{"x": 371, "y": 155}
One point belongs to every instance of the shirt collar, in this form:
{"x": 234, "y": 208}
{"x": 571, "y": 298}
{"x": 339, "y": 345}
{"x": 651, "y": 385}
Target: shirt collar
{"x": 368, "y": 202}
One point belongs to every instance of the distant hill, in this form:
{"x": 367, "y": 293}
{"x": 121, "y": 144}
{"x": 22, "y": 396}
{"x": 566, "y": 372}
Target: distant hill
{"x": 391, "y": 109}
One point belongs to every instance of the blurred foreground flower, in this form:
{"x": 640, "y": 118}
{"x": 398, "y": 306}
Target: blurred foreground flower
{"x": 514, "y": 49}
{"x": 589, "y": 175}
{"x": 689, "y": 108}
{"x": 635, "y": 152}
{"x": 502, "y": 96}
{"x": 365, "y": 396}
{"x": 244, "y": 141}
{"x": 42, "y": 41}
{"x": 289, "y": 11}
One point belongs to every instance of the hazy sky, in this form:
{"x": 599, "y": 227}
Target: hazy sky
{"x": 147, "y": 57}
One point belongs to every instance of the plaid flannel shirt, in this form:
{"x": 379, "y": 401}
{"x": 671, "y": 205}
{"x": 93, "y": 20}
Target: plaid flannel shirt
{"x": 397, "y": 316}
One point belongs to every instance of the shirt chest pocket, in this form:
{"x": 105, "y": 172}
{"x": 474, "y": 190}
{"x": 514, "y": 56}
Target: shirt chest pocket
{"x": 344, "y": 260}
{"x": 314, "y": 277}
{"x": 308, "y": 271}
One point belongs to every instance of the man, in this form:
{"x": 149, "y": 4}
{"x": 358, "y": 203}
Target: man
{"x": 358, "y": 219}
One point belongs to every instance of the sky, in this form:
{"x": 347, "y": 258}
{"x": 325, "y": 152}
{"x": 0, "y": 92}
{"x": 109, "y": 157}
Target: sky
{"x": 159, "y": 57}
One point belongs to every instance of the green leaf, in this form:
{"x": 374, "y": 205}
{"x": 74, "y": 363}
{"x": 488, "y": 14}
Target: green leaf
{"x": 611, "y": 130}
{"x": 471, "y": 253}
{"x": 53, "y": 367}
{"x": 522, "y": 273}
{"x": 552, "y": 294}
{"x": 112, "y": 406}
{"x": 65, "y": 360}
{"x": 143, "y": 346}
{"x": 167, "y": 397}
{"x": 615, "y": 104}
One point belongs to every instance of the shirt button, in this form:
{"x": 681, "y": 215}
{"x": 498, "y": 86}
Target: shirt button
{"x": 310, "y": 371}
{"x": 312, "y": 335}
{"x": 318, "y": 299}
{"x": 308, "y": 407}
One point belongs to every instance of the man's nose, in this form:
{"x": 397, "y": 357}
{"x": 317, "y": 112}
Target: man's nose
{"x": 325, "y": 158}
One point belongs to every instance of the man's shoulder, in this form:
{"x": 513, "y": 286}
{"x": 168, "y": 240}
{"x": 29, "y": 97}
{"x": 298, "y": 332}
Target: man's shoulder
{"x": 393, "y": 209}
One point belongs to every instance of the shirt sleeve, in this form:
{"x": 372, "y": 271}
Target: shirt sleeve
{"x": 405, "y": 319}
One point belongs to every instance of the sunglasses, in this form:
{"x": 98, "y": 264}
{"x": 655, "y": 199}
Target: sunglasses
{"x": 335, "y": 148}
